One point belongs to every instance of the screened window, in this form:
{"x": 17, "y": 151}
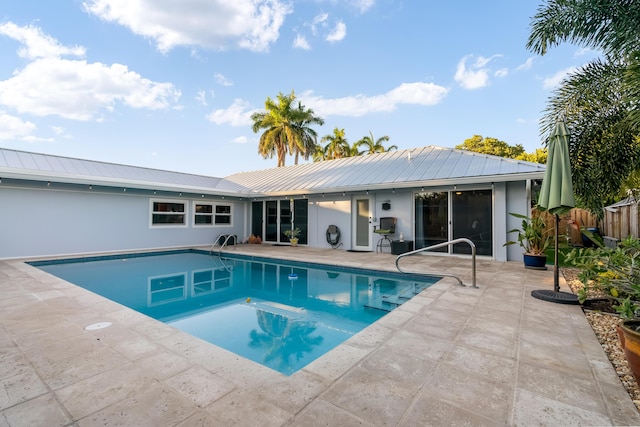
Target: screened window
{"x": 223, "y": 215}
{"x": 203, "y": 214}
{"x": 168, "y": 213}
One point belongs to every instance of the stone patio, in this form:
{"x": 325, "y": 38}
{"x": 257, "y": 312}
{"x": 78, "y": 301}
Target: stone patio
{"x": 450, "y": 356}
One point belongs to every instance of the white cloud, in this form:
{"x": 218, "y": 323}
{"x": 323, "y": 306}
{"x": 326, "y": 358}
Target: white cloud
{"x": 79, "y": 90}
{"x": 300, "y": 42}
{"x": 363, "y": 5}
{"x": 238, "y": 114}
{"x": 212, "y": 24}
{"x": 74, "y": 89}
{"x": 554, "y": 81}
{"x": 221, "y": 79}
{"x": 318, "y": 20}
{"x": 35, "y": 44}
{"x": 338, "y": 33}
{"x": 502, "y": 72}
{"x": 418, "y": 93}
{"x": 12, "y": 127}
{"x": 201, "y": 98}
{"x": 526, "y": 65}
{"x": 240, "y": 140}
{"x": 475, "y": 76}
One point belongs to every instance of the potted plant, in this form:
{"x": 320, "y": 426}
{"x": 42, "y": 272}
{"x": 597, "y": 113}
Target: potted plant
{"x": 293, "y": 234}
{"x": 534, "y": 238}
{"x": 615, "y": 272}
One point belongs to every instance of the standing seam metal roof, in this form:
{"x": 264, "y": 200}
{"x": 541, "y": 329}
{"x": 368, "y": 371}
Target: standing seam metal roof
{"x": 402, "y": 167}
{"x": 410, "y": 167}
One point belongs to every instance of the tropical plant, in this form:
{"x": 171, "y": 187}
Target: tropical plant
{"x": 533, "y": 235}
{"x": 599, "y": 102}
{"x": 292, "y": 233}
{"x": 307, "y": 142}
{"x": 604, "y": 147}
{"x": 614, "y": 271}
{"x": 374, "y": 145}
{"x": 337, "y": 145}
{"x": 287, "y": 129}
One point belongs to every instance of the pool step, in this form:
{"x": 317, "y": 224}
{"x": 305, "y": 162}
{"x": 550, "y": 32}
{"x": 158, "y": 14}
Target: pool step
{"x": 388, "y": 302}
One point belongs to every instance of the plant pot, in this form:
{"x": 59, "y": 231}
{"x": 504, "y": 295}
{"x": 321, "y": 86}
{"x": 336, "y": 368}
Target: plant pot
{"x": 630, "y": 342}
{"x": 535, "y": 262}
{"x": 294, "y": 241}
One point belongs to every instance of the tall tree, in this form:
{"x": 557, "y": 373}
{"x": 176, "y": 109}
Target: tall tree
{"x": 287, "y": 129}
{"x": 374, "y": 145}
{"x": 599, "y": 103}
{"x": 492, "y": 146}
{"x": 307, "y": 142}
{"x": 337, "y": 145}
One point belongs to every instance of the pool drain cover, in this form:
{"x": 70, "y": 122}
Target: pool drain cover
{"x": 96, "y": 326}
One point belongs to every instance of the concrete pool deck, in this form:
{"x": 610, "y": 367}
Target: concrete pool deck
{"x": 450, "y": 356}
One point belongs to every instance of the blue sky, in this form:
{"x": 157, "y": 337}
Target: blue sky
{"x": 172, "y": 85}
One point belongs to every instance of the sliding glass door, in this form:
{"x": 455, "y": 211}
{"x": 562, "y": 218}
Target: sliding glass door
{"x": 448, "y": 215}
{"x": 270, "y": 219}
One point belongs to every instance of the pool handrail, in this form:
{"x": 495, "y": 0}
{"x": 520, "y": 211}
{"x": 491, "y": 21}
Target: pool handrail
{"x": 227, "y": 237}
{"x": 441, "y": 245}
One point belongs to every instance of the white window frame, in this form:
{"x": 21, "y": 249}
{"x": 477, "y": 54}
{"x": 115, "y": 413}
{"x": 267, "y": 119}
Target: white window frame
{"x": 153, "y": 293}
{"x": 196, "y": 214}
{"x": 184, "y": 224}
{"x": 229, "y": 215}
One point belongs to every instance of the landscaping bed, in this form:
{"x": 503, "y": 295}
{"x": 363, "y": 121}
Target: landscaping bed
{"x": 603, "y": 320}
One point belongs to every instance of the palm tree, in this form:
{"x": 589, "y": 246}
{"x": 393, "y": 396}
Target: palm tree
{"x": 337, "y": 146}
{"x": 287, "y": 128}
{"x": 598, "y": 102}
{"x": 307, "y": 142}
{"x": 374, "y": 145}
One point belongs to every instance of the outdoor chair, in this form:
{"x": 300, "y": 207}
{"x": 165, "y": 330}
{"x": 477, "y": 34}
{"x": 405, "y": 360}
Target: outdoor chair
{"x": 387, "y": 228}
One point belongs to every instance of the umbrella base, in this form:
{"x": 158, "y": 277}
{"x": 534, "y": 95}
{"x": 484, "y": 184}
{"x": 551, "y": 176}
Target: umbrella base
{"x": 555, "y": 296}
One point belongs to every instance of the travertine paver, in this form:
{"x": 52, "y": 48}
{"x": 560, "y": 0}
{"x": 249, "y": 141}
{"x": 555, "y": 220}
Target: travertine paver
{"x": 450, "y": 356}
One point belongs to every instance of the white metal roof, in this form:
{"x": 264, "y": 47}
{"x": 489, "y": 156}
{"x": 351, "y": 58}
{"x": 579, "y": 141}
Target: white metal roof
{"x": 425, "y": 166}
{"x": 33, "y": 166}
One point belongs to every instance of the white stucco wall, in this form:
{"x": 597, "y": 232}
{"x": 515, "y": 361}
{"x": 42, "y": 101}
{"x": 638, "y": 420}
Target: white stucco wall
{"x": 43, "y": 222}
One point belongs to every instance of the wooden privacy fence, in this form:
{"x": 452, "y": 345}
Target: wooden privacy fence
{"x": 621, "y": 221}
{"x": 571, "y": 234}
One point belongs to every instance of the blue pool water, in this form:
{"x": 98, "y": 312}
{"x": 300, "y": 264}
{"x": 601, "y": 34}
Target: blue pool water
{"x": 280, "y": 314}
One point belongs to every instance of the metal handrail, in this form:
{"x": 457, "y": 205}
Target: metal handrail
{"x": 441, "y": 245}
{"x": 226, "y": 241}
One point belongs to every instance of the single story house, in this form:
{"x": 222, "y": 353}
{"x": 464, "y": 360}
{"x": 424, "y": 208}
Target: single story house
{"x": 60, "y": 206}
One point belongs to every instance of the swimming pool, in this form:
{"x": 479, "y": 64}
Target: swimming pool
{"x": 280, "y": 314}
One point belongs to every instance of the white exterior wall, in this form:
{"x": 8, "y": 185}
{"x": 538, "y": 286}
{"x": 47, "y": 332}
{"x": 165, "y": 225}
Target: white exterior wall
{"x": 44, "y": 222}
{"x": 518, "y": 201}
{"x": 324, "y": 212}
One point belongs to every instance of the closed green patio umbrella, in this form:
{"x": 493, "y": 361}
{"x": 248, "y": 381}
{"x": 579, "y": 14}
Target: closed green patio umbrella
{"x": 556, "y": 196}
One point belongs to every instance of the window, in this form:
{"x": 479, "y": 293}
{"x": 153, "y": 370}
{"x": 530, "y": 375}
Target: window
{"x": 202, "y": 214}
{"x": 168, "y": 213}
{"x": 223, "y": 215}
{"x": 209, "y": 281}
{"x": 165, "y": 289}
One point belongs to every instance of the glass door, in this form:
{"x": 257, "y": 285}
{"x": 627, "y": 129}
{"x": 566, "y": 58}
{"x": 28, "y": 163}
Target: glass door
{"x": 472, "y": 218}
{"x": 448, "y": 215}
{"x": 271, "y": 224}
{"x": 361, "y": 222}
{"x": 432, "y": 219}
{"x": 273, "y": 217}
